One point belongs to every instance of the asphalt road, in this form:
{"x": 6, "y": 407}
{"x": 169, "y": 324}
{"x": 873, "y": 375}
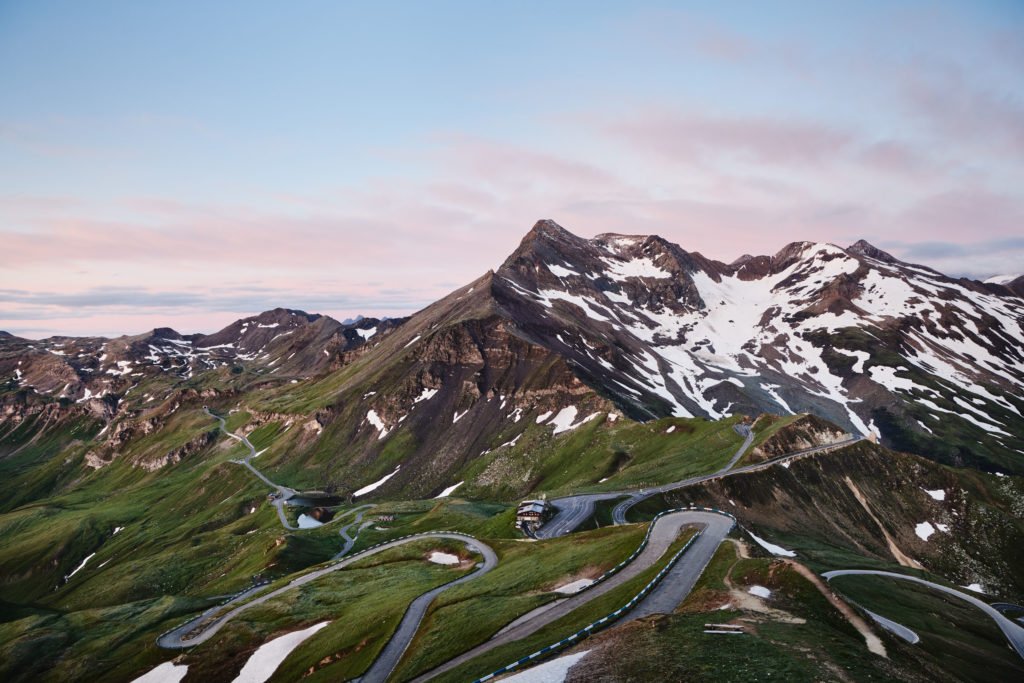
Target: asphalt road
{"x": 619, "y": 513}
{"x": 1013, "y": 632}
{"x": 894, "y": 627}
{"x": 685, "y": 573}
{"x": 343, "y": 532}
{"x": 180, "y": 638}
{"x": 680, "y": 580}
{"x": 392, "y": 653}
{"x": 572, "y": 511}
{"x": 283, "y": 492}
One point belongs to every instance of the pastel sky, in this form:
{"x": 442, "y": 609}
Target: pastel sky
{"x": 187, "y": 163}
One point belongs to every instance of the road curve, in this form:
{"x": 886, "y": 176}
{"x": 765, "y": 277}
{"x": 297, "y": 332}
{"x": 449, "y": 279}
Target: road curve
{"x": 620, "y": 510}
{"x": 894, "y": 627}
{"x": 574, "y": 510}
{"x": 178, "y": 638}
{"x": 343, "y": 532}
{"x": 681, "y": 579}
{"x": 283, "y": 492}
{"x": 1013, "y": 632}
{"x": 665, "y": 531}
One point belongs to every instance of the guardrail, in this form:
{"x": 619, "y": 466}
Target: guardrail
{"x": 643, "y": 544}
{"x": 329, "y": 563}
{"x": 605, "y": 621}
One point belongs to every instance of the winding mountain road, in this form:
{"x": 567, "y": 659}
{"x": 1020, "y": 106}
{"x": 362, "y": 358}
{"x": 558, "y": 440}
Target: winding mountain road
{"x": 182, "y": 637}
{"x": 283, "y": 492}
{"x": 1013, "y": 631}
{"x": 343, "y": 532}
{"x": 574, "y": 510}
{"x": 665, "y": 598}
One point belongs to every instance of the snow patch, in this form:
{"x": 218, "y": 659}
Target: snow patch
{"x": 563, "y": 421}
{"x": 377, "y": 484}
{"x": 443, "y": 558}
{"x": 759, "y": 591}
{"x": 449, "y": 491}
{"x": 638, "y": 267}
{"x": 924, "y": 530}
{"x": 307, "y": 522}
{"x": 559, "y": 271}
{"x": 79, "y": 567}
{"x": 425, "y": 395}
{"x": 366, "y": 334}
{"x": 554, "y": 671}
{"x": 573, "y": 587}
{"x": 937, "y": 494}
{"x": 771, "y": 547}
{"x": 544, "y": 416}
{"x": 264, "y": 662}
{"x": 374, "y": 419}
{"x": 511, "y": 443}
{"x": 168, "y": 672}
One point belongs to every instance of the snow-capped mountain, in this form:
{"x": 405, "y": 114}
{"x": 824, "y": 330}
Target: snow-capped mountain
{"x": 87, "y": 369}
{"x": 576, "y": 328}
{"x": 853, "y": 334}
{"x": 1014, "y": 283}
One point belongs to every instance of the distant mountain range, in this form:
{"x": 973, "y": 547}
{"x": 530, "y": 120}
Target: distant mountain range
{"x": 633, "y": 325}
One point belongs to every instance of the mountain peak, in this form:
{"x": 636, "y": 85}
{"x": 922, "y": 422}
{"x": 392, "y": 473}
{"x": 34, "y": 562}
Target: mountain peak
{"x": 548, "y": 230}
{"x": 282, "y": 314}
{"x": 550, "y": 227}
{"x": 865, "y": 248}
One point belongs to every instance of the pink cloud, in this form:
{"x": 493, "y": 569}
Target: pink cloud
{"x": 957, "y": 108}
{"x": 694, "y": 137}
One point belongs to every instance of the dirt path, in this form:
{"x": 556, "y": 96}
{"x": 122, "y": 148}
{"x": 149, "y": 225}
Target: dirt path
{"x": 900, "y": 556}
{"x": 874, "y": 643}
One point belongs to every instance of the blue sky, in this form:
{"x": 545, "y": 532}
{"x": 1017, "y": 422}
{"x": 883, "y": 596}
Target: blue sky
{"x": 186, "y": 163}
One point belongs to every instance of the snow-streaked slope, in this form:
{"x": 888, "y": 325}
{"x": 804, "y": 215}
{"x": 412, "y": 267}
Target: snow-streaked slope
{"x": 844, "y": 333}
